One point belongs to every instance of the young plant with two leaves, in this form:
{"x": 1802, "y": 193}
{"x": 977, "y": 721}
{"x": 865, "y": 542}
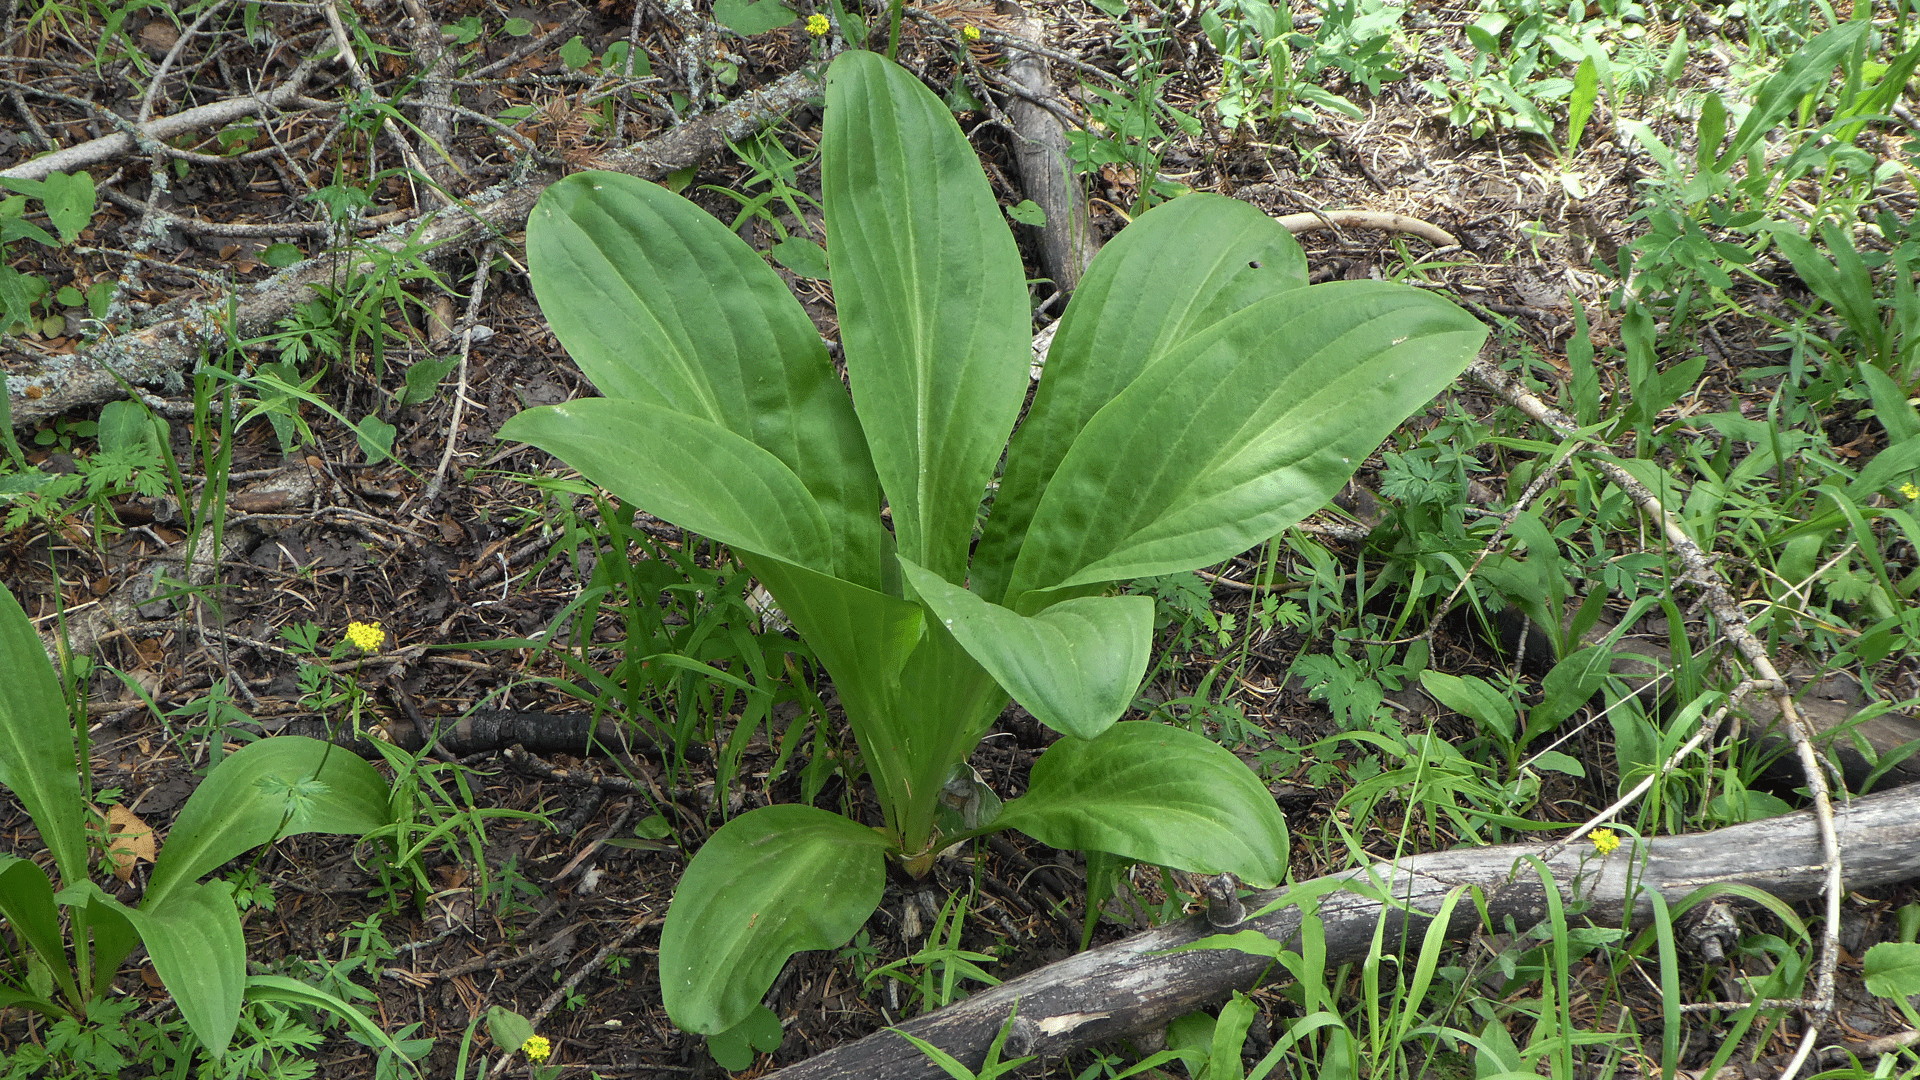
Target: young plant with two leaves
{"x": 270, "y": 789}
{"x": 1199, "y": 398}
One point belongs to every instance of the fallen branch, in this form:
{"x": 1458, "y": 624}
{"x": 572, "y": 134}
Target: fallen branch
{"x": 156, "y": 354}
{"x": 1067, "y": 243}
{"x": 1733, "y": 623}
{"x": 1138, "y": 984}
{"x": 109, "y": 147}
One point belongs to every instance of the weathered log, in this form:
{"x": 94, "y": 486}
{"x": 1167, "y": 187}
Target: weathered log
{"x": 1136, "y": 985}
{"x": 156, "y": 354}
{"x": 1067, "y": 243}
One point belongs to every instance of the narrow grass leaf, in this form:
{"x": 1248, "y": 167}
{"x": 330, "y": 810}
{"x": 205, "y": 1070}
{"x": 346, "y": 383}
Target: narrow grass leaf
{"x": 1669, "y": 985}
{"x": 291, "y": 992}
{"x": 1432, "y": 944}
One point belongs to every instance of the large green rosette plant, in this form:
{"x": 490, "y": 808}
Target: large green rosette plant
{"x": 1198, "y": 399}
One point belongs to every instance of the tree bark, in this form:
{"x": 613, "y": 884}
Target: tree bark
{"x": 1067, "y": 243}
{"x": 1136, "y": 984}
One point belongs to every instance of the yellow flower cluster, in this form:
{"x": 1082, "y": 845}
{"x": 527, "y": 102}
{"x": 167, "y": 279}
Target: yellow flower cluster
{"x": 971, "y": 33}
{"x": 1910, "y": 491}
{"x": 367, "y": 637}
{"x": 537, "y": 1048}
{"x": 817, "y": 25}
{"x": 1605, "y": 841}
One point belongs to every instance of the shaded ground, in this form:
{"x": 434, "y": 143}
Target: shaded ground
{"x": 490, "y": 558}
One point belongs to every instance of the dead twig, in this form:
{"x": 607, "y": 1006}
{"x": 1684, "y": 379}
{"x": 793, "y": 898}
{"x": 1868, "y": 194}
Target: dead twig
{"x": 108, "y": 147}
{"x": 460, "y": 388}
{"x": 1720, "y": 601}
{"x": 156, "y": 354}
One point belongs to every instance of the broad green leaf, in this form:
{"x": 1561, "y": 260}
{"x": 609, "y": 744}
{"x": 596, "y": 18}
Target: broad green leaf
{"x": 768, "y": 884}
{"x": 864, "y": 639}
{"x": 375, "y": 437}
{"x": 508, "y": 1029}
{"x": 736, "y": 1047}
{"x": 944, "y": 706}
{"x": 689, "y": 471}
{"x": 37, "y": 759}
{"x": 802, "y": 256}
{"x": 1559, "y": 762}
{"x": 26, "y": 899}
{"x": 1886, "y": 467}
{"x": 1155, "y": 794}
{"x": 1571, "y": 684}
{"x": 69, "y": 201}
{"x": 932, "y": 301}
{"x": 1850, "y": 294}
{"x": 198, "y": 948}
{"x": 1074, "y": 666}
{"x": 1179, "y": 269}
{"x": 114, "y": 938}
{"x": 1471, "y": 696}
{"x": 423, "y": 378}
{"x": 127, "y": 425}
{"x": 1711, "y": 129}
{"x": 917, "y": 701}
{"x": 750, "y": 17}
{"x": 658, "y": 302}
{"x": 245, "y": 802}
{"x": 1241, "y": 431}
{"x": 1586, "y": 90}
{"x": 1892, "y": 969}
{"x": 1890, "y": 405}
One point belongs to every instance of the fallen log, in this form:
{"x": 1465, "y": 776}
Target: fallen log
{"x": 1066, "y": 240}
{"x": 45, "y": 386}
{"x": 1137, "y": 984}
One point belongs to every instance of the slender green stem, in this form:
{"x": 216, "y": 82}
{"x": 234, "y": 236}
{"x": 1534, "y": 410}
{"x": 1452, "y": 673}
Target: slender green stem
{"x": 893, "y": 30}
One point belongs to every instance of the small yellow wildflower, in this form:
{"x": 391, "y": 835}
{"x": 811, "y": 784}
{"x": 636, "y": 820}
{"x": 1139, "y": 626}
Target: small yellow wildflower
{"x": 537, "y": 1048}
{"x": 1910, "y": 491}
{"x": 971, "y": 33}
{"x": 367, "y": 637}
{"x": 1605, "y": 841}
{"x": 817, "y": 25}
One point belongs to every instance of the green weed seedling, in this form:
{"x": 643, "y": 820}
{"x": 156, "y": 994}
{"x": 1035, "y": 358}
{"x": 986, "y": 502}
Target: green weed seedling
{"x": 1129, "y": 126}
{"x": 68, "y": 201}
{"x": 270, "y": 789}
{"x": 941, "y": 962}
{"x": 132, "y": 457}
{"x": 1200, "y": 398}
